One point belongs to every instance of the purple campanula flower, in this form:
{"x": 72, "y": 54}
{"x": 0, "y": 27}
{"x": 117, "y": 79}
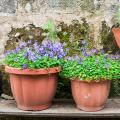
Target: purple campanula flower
{"x": 86, "y": 54}
{"x": 84, "y": 43}
{"x": 49, "y": 45}
{"x": 117, "y": 56}
{"x": 8, "y": 53}
{"x": 83, "y": 50}
{"x": 102, "y": 51}
{"x": 60, "y": 55}
{"x": 14, "y": 51}
{"x": 36, "y": 46}
{"x": 17, "y": 49}
{"x": 16, "y": 59}
{"x": 79, "y": 62}
{"x": 46, "y": 55}
{"x": 42, "y": 50}
{"x": 76, "y": 57}
{"x": 111, "y": 56}
{"x": 94, "y": 51}
{"x": 29, "y": 42}
{"x": 81, "y": 59}
{"x": 67, "y": 49}
{"x": 69, "y": 58}
{"x": 57, "y": 46}
{"x": 25, "y": 66}
{"x": 46, "y": 43}
{"x": 26, "y": 54}
{"x": 22, "y": 44}
{"x": 51, "y": 54}
{"x": 32, "y": 56}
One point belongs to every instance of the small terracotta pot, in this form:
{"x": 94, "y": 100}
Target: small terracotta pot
{"x": 90, "y": 96}
{"x": 116, "y": 32}
{"x": 33, "y": 89}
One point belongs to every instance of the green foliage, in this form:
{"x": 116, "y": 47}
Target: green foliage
{"x": 44, "y": 62}
{"x": 95, "y": 67}
{"x": 25, "y": 34}
{"x": 71, "y": 35}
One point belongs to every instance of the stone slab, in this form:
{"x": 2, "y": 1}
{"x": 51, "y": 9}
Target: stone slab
{"x": 61, "y": 108}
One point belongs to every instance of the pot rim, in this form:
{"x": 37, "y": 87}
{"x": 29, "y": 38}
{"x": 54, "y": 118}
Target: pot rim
{"x": 93, "y": 81}
{"x": 19, "y": 71}
{"x": 113, "y": 29}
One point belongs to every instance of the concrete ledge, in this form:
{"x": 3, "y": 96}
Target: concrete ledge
{"x": 61, "y": 108}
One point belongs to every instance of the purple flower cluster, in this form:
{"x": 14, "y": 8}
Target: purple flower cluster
{"x": 116, "y": 56}
{"x": 75, "y": 58}
{"x": 36, "y": 51}
{"x": 52, "y": 49}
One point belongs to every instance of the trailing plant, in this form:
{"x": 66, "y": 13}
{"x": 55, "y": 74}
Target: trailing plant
{"x": 91, "y": 66}
{"x": 35, "y": 56}
{"x": 50, "y": 30}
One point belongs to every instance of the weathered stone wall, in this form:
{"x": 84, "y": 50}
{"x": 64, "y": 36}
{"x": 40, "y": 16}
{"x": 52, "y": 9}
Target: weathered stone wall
{"x": 18, "y": 13}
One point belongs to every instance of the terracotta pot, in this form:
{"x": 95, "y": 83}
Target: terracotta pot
{"x": 33, "y": 89}
{"x": 116, "y": 32}
{"x": 90, "y": 96}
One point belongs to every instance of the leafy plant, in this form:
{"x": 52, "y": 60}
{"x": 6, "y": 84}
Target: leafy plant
{"x": 35, "y": 56}
{"x": 91, "y": 66}
{"x": 24, "y": 34}
{"x": 72, "y": 35}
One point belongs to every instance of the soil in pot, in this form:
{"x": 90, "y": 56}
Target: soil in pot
{"x": 90, "y": 96}
{"x": 33, "y": 89}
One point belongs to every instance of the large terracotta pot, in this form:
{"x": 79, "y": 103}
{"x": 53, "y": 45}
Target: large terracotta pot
{"x": 33, "y": 89}
{"x": 90, "y": 96}
{"x": 116, "y": 32}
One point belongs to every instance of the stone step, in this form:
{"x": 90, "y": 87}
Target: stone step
{"x": 61, "y": 108}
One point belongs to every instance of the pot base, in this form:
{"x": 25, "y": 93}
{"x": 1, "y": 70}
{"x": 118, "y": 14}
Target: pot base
{"x": 90, "y": 109}
{"x": 34, "y": 108}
